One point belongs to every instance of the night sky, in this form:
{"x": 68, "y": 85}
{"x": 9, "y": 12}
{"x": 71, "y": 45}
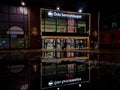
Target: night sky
{"x": 105, "y": 7}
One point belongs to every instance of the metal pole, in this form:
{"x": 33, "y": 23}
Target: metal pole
{"x": 98, "y": 27}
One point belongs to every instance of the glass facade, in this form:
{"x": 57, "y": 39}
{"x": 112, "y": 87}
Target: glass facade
{"x": 13, "y": 26}
{"x": 64, "y": 22}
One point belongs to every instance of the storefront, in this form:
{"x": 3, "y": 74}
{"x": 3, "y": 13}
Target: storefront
{"x": 64, "y": 32}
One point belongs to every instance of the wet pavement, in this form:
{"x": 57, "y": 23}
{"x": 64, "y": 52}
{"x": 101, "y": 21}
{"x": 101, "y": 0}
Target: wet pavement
{"x": 105, "y": 73}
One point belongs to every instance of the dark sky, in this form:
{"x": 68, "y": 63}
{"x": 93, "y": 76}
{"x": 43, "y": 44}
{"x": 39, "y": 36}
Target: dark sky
{"x": 107, "y": 7}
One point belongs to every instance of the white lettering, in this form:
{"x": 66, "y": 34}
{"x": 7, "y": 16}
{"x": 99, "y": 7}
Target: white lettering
{"x": 57, "y": 82}
{"x": 65, "y": 81}
{"x": 59, "y": 14}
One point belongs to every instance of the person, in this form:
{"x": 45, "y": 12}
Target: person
{"x": 94, "y": 39}
{"x": 26, "y": 44}
{"x": 35, "y": 40}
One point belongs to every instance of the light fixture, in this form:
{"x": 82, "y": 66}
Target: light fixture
{"x": 80, "y": 10}
{"x": 22, "y": 3}
{"x": 79, "y": 85}
{"x": 58, "y": 88}
{"x": 58, "y": 8}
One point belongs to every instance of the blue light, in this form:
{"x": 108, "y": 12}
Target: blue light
{"x": 13, "y": 35}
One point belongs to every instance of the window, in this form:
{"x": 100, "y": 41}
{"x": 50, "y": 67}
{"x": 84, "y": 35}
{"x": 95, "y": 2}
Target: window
{"x": 13, "y": 26}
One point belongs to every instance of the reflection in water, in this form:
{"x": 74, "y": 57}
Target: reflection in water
{"x": 104, "y": 72}
{"x": 107, "y": 74}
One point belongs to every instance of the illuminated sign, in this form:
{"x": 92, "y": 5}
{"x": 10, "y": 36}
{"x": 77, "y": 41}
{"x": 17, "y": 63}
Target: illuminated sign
{"x": 54, "y": 83}
{"x": 61, "y": 14}
{"x": 13, "y": 35}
